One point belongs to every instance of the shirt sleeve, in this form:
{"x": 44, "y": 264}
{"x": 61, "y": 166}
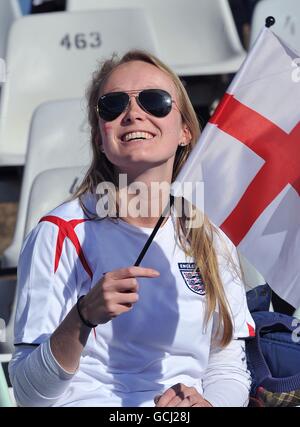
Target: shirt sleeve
{"x": 226, "y": 381}
{"x": 47, "y": 286}
{"x": 36, "y": 376}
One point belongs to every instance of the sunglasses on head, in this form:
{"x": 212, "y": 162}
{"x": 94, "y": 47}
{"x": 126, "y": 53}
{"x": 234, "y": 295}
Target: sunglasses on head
{"x": 156, "y": 102}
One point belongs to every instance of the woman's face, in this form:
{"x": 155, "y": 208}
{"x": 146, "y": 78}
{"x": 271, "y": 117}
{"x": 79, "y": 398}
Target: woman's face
{"x": 128, "y": 152}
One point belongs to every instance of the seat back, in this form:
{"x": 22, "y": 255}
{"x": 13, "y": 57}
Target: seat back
{"x": 51, "y": 188}
{"x": 45, "y": 65}
{"x": 287, "y": 16}
{"x": 59, "y": 137}
{"x": 196, "y": 37}
{"x": 5, "y": 396}
{"x": 7, "y": 299}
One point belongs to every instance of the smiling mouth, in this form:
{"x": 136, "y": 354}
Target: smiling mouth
{"x": 137, "y": 136}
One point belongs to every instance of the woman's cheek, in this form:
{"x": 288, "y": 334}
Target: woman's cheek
{"x": 107, "y": 131}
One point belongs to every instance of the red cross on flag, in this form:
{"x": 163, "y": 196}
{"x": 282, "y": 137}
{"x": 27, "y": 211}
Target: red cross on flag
{"x": 248, "y": 157}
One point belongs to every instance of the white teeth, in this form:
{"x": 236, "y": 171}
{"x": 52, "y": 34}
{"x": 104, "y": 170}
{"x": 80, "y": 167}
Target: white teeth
{"x": 137, "y": 135}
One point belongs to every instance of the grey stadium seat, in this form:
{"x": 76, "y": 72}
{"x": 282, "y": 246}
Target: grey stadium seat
{"x": 195, "y": 37}
{"x": 51, "y": 56}
{"x": 287, "y": 16}
{"x": 59, "y": 137}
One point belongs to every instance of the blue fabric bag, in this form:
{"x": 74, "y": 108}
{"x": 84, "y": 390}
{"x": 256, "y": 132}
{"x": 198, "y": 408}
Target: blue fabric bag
{"x": 274, "y": 353}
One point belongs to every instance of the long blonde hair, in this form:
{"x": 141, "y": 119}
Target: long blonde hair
{"x": 196, "y": 242}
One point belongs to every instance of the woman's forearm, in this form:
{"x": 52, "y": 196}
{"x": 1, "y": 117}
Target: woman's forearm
{"x": 37, "y": 379}
{"x": 227, "y": 380}
{"x": 68, "y": 341}
{"x": 41, "y": 376}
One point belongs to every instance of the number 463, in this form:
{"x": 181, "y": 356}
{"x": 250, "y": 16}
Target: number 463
{"x": 81, "y": 41}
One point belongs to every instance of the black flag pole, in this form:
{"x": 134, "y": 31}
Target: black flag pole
{"x": 270, "y": 21}
{"x": 155, "y": 230}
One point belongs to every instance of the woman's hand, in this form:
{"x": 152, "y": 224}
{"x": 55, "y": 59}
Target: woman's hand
{"x": 114, "y": 294}
{"x": 181, "y": 396}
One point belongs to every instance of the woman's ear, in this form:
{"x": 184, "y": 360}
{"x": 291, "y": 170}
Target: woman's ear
{"x": 186, "y": 136}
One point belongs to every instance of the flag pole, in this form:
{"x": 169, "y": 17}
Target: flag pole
{"x": 270, "y": 21}
{"x": 155, "y": 230}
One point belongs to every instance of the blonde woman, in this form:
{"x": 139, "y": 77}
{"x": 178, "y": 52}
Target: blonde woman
{"x": 92, "y": 329}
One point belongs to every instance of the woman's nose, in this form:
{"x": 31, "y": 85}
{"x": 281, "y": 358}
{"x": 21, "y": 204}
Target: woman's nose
{"x": 133, "y": 111}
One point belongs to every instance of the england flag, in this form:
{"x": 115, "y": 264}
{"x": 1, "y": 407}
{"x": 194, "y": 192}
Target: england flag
{"x": 248, "y": 157}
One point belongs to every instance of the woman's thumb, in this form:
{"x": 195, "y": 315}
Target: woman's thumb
{"x": 156, "y": 398}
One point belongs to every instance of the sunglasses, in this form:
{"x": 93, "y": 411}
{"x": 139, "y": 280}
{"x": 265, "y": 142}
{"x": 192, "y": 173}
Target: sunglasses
{"x": 156, "y": 102}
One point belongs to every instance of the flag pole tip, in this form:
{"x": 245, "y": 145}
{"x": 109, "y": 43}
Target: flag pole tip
{"x": 270, "y": 20}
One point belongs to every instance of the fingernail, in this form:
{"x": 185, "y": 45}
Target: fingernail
{"x": 156, "y": 273}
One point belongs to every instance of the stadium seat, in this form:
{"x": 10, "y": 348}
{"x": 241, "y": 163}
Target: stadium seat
{"x": 7, "y": 308}
{"x": 51, "y": 56}
{"x": 51, "y": 188}
{"x": 7, "y": 298}
{"x": 196, "y": 37}
{"x": 6, "y": 394}
{"x": 9, "y": 12}
{"x": 287, "y": 16}
{"x": 59, "y": 137}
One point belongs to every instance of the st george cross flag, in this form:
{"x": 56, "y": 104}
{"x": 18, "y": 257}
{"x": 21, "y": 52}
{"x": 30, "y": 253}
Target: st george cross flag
{"x": 248, "y": 157}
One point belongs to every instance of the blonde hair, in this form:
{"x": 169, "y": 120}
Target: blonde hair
{"x": 196, "y": 242}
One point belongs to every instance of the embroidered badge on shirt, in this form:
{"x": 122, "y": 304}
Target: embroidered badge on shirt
{"x": 192, "y": 277}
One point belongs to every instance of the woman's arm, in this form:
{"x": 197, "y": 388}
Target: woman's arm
{"x": 114, "y": 294}
{"x": 40, "y": 377}
{"x": 227, "y": 381}
{"x": 37, "y": 378}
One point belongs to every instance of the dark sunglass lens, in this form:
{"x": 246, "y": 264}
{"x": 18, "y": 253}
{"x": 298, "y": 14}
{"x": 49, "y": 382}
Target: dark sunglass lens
{"x": 156, "y": 102}
{"x": 111, "y": 105}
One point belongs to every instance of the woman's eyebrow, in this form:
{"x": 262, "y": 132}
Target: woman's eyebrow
{"x": 149, "y": 86}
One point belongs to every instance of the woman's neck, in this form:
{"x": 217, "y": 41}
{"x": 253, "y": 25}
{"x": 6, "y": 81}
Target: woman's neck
{"x": 144, "y": 197}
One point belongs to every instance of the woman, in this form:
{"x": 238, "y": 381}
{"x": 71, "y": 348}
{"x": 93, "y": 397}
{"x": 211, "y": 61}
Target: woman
{"x": 92, "y": 329}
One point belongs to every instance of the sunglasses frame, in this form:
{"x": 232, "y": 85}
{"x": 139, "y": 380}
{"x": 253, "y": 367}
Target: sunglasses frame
{"x": 130, "y": 94}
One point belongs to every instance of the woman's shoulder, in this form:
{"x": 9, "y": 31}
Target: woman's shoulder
{"x": 222, "y": 244}
{"x": 67, "y": 211}
{"x": 62, "y": 219}
{"x": 74, "y": 209}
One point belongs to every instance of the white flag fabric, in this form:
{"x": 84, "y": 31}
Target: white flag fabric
{"x": 248, "y": 157}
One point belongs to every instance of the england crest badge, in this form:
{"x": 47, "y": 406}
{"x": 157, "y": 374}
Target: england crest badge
{"x": 192, "y": 277}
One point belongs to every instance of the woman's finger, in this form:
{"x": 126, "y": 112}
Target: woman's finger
{"x": 127, "y": 285}
{"x": 126, "y": 298}
{"x": 125, "y": 273}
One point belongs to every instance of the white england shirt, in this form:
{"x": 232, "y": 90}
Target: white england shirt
{"x": 160, "y": 342}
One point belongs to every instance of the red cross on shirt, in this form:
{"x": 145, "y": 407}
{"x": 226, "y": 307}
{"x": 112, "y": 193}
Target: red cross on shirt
{"x": 280, "y": 150}
{"x": 66, "y": 230}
